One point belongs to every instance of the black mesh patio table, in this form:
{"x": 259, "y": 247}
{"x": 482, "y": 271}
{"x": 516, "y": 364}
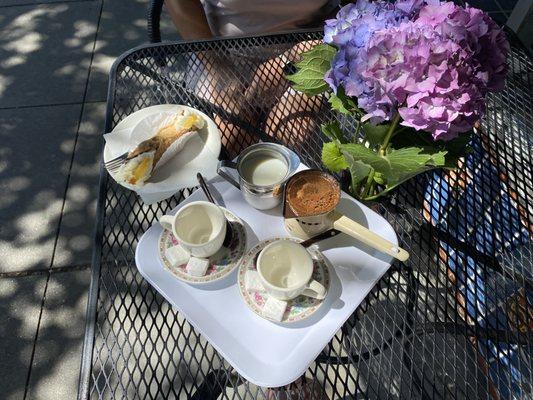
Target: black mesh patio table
{"x": 454, "y": 321}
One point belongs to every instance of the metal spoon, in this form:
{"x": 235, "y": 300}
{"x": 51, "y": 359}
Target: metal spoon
{"x": 205, "y": 189}
{"x": 309, "y": 242}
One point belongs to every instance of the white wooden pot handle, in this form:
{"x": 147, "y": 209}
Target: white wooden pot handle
{"x": 365, "y": 235}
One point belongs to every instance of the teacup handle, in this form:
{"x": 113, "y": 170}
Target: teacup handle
{"x": 220, "y": 170}
{"x": 315, "y": 290}
{"x": 167, "y": 221}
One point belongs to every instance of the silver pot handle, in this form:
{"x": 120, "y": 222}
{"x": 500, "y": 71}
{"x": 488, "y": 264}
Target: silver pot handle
{"x": 220, "y": 170}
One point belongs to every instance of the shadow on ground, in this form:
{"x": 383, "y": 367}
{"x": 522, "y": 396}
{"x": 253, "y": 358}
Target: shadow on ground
{"x": 50, "y": 141}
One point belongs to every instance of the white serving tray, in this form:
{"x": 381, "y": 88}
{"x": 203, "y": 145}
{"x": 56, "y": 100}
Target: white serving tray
{"x": 265, "y": 353}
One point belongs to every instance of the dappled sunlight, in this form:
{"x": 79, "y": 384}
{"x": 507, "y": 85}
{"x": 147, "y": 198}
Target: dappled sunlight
{"x": 84, "y": 29}
{"x": 20, "y": 300}
{"x": 33, "y": 49}
{"x": 103, "y": 63}
{"x": 56, "y": 373}
{"x": 129, "y": 19}
{"x": 5, "y": 81}
{"x": 9, "y": 288}
{"x": 75, "y": 249}
{"x": 45, "y": 144}
{"x": 79, "y": 193}
{"x": 53, "y": 41}
{"x": 17, "y": 183}
{"x": 74, "y": 244}
{"x": 27, "y": 21}
{"x": 39, "y": 256}
{"x": 32, "y": 183}
{"x": 66, "y": 70}
{"x": 66, "y": 147}
{"x": 26, "y": 302}
{"x": 58, "y": 348}
{"x": 13, "y": 61}
{"x": 36, "y": 224}
{"x": 27, "y": 241}
{"x": 28, "y": 43}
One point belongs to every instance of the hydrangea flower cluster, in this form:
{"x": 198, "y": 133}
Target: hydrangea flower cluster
{"x": 350, "y": 32}
{"x": 432, "y": 62}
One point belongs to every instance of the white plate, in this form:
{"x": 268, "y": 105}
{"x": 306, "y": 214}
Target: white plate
{"x": 268, "y": 354}
{"x": 200, "y": 154}
{"x": 221, "y": 264}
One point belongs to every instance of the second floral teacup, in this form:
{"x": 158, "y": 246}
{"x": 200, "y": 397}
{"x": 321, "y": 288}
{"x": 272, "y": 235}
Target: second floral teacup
{"x": 285, "y": 269}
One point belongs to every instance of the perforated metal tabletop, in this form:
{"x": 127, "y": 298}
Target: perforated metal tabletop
{"x": 454, "y": 321}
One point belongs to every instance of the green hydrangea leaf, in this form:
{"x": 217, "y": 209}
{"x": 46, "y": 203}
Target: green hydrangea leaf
{"x": 379, "y": 178}
{"x": 397, "y": 165}
{"x": 455, "y": 148}
{"x": 410, "y": 161}
{"x": 359, "y": 171}
{"x": 334, "y": 132}
{"x": 332, "y": 158}
{"x": 357, "y": 152}
{"x": 342, "y": 103}
{"x": 309, "y": 78}
{"x": 375, "y": 133}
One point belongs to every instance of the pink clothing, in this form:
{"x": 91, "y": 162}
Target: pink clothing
{"x": 241, "y": 17}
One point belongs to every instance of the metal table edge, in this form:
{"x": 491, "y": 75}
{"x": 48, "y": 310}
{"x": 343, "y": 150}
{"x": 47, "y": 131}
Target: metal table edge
{"x": 92, "y": 300}
{"x": 135, "y": 49}
{"x": 91, "y": 310}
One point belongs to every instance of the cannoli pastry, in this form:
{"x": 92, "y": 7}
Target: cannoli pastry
{"x": 154, "y": 152}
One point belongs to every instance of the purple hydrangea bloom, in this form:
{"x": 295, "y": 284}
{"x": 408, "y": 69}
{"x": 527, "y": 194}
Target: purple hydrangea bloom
{"x": 435, "y": 68}
{"x": 356, "y": 22}
{"x": 422, "y": 75}
{"x": 476, "y": 32}
{"x": 410, "y": 7}
{"x": 350, "y": 32}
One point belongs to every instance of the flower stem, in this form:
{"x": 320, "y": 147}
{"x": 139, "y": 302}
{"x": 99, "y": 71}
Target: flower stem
{"x": 369, "y": 185}
{"x": 357, "y": 128}
{"x": 390, "y": 132}
{"x": 374, "y": 197}
{"x": 369, "y": 182}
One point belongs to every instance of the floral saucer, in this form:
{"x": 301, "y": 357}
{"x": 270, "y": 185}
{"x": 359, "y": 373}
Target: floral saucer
{"x": 221, "y": 264}
{"x": 298, "y": 309}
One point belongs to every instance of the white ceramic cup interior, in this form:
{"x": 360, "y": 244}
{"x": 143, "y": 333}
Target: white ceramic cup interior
{"x": 285, "y": 269}
{"x": 200, "y": 227}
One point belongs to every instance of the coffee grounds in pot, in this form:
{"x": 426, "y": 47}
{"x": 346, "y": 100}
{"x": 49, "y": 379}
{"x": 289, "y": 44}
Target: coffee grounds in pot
{"x": 312, "y": 193}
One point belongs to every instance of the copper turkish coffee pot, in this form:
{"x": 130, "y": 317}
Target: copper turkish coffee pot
{"x": 308, "y": 223}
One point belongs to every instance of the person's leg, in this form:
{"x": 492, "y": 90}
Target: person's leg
{"x": 189, "y": 18}
{"x": 293, "y": 122}
{"x": 248, "y": 95}
{"x": 302, "y": 388}
{"x": 290, "y": 116}
{"x": 222, "y": 84}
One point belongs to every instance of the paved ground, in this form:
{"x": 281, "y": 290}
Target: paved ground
{"x": 54, "y": 60}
